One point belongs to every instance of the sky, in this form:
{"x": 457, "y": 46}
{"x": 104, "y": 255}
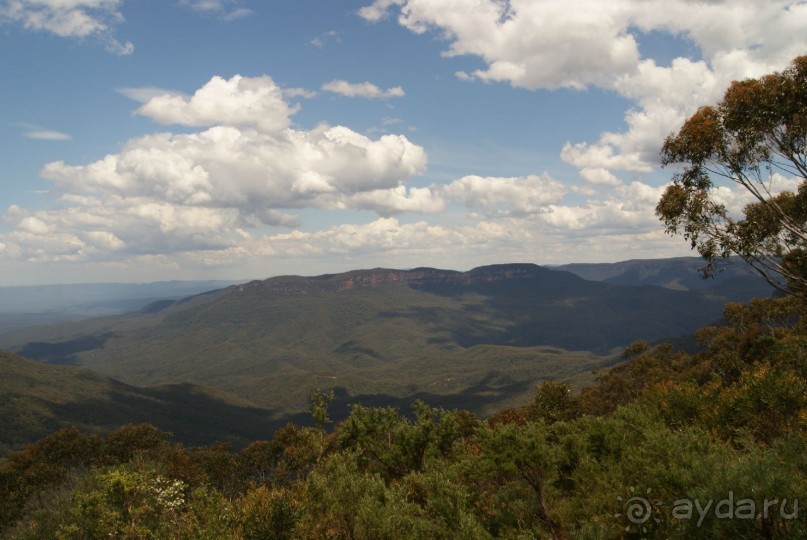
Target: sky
{"x": 145, "y": 140}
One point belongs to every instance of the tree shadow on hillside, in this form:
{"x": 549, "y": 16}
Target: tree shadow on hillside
{"x": 194, "y": 417}
{"x": 463, "y": 326}
{"x": 64, "y": 352}
{"x": 492, "y": 390}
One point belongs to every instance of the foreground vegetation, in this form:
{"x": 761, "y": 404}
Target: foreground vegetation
{"x": 620, "y": 459}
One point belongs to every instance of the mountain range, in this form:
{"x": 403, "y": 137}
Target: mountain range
{"x": 734, "y": 279}
{"x": 480, "y": 339}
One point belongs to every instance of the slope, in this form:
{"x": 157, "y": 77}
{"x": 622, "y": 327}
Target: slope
{"x": 735, "y": 282}
{"x": 486, "y": 336}
{"x": 36, "y": 399}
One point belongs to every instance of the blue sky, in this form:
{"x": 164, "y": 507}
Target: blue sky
{"x": 145, "y": 140}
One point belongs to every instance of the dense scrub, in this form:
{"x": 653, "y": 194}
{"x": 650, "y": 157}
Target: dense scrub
{"x": 640, "y": 454}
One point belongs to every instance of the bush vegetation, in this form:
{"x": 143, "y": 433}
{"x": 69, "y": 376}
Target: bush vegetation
{"x": 726, "y": 424}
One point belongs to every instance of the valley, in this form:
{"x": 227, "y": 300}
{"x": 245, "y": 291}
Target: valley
{"x": 479, "y": 340}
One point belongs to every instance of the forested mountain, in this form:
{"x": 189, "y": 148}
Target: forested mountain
{"x": 36, "y": 399}
{"x": 734, "y": 281}
{"x": 481, "y": 338}
{"x": 666, "y": 445}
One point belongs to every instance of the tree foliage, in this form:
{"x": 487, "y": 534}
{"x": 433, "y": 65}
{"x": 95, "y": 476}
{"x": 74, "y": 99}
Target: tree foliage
{"x": 755, "y": 137}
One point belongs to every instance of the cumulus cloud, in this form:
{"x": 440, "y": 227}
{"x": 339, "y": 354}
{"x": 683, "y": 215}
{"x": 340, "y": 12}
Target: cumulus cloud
{"x": 627, "y": 208}
{"x": 494, "y": 197}
{"x": 398, "y": 200}
{"x": 528, "y": 44}
{"x": 73, "y": 19}
{"x": 203, "y": 194}
{"x": 507, "y": 196}
{"x": 246, "y": 169}
{"x": 600, "y": 176}
{"x": 364, "y": 89}
{"x": 389, "y": 235}
{"x": 589, "y": 43}
{"x": 522, "y": 219}
{"x": 239, "y": 101}
{"x": 207, "y": 189}
{"x": 545, "y": 237}
{"x": 99, "y": 227}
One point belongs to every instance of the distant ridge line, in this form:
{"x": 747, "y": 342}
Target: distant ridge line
{"x": 378, "y": 277}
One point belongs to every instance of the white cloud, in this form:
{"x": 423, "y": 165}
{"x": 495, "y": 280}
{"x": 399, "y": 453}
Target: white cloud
{"x": 299, "y": 92}
{"x": 735, "y": 199}
{"x": 600, "y": 177}
{"x": 626, "y": 209}
{"x": 102, "y": 227}
{"x": 42, "y": 134}
{"x": 583, "y": 43}
{"x": 378, "y": 9}
{"x": 492, "y": 196}
{"x": 507, "y": 196}
{"x": 69, "y": 18}
{"x": 226, "y": 10}
{"x": 143, "y": 94}
{"x": 227, "y": 166}
{"x": 239, "y": 101}
{"x": 665, "y": 96}
{"x": 388, "y": 235}
{"x": 331, "y": 36}
{"x": 235, "y": 14}
{"x": 202, "y": 196}
{"x": 391, "y": 243}
{"x": 205, "y": 190}
{"x": 47, "y": 135}
{"x": 398, "y": 200}
{"x": 547, "y": 44}
{"x": 363, "y": 89}
{"x": 603, "y": 156}
{"x": 129, "y": 232}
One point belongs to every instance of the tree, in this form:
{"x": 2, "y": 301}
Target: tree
{"x": 554, "y": 402}
{"x": 754, "y": 137}
{"x": 320, "y": 402}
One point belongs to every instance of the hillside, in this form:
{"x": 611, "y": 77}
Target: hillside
{"x": 36, "y": 399}
{"x": 481, "y": 338}
{"x": 658, "y": 435}
{"x": 735, "y": 282}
